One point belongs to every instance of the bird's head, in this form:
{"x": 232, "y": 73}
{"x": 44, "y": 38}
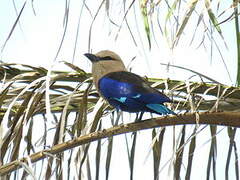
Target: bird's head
{"x": 104, "y": 62}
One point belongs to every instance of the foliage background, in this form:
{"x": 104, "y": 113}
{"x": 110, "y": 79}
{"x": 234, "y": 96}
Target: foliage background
{"x": 189, "y": 49}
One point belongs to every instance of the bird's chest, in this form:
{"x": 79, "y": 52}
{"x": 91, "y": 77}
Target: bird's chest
{"x": 113, "y": 88}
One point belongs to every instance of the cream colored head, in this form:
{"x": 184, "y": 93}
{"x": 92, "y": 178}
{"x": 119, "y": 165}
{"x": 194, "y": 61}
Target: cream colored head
{"x": 104, "y": 62}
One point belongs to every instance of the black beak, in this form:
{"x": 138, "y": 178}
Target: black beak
{"x": 91, "y": 57}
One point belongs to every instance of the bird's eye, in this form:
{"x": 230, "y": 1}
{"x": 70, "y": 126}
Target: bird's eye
{"x": 106, "y": 58}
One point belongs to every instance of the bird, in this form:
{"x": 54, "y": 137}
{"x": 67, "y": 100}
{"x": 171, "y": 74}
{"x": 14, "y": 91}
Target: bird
{"x": 122, "y": 89}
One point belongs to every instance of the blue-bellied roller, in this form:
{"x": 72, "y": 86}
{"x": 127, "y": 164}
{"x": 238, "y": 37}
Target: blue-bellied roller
{"x": 124, "y": 90}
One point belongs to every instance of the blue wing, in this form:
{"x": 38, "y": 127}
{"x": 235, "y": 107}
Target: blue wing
{"x": 129, "y": 92}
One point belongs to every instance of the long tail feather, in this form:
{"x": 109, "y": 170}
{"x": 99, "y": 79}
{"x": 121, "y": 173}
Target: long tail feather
{"x": 160, "y": 109}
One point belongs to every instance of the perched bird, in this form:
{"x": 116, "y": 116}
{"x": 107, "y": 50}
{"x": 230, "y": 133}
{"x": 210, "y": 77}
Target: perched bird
{"x": 124, "y": 90}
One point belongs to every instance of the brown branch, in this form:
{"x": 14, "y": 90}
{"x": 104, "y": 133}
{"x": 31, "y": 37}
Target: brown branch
{"x": 214, "y": 118}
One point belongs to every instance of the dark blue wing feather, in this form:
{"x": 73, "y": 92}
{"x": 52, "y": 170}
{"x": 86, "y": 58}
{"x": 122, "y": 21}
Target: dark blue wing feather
{"x": 129, "y": 92}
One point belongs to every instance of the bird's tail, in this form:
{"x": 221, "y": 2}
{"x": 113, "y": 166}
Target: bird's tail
{"x": 160, "y": 109}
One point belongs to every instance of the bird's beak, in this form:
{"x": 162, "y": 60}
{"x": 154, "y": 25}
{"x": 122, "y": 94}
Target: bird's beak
{"x": 91, "y": 57}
